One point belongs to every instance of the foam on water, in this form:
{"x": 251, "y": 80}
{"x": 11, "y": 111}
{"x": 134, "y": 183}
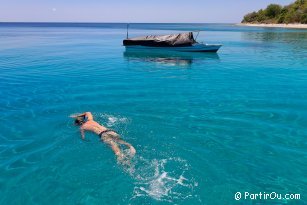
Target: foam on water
{"x": 155, "y": 179}
{"x": 112, "y": 120}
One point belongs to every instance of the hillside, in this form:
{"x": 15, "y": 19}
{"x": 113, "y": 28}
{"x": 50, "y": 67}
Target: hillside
{"x": 277, "y": 14}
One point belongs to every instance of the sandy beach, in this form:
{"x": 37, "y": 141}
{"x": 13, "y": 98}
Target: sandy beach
{"x": 298, "y": 26}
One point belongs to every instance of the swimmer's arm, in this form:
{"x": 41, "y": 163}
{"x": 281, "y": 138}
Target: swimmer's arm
{"x": 82, "y": 134}
{"x": 87, "y": 114}
{"x": 75, "y": 115}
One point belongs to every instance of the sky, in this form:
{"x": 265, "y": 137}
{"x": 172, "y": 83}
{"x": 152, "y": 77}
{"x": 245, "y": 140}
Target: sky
{"x": 131, "y": 11}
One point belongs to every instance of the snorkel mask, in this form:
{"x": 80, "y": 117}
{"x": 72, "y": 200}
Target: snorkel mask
{"x": 79, "y": 121}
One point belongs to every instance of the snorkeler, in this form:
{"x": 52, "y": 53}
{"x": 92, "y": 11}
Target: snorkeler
{"x": 110, "y": 137}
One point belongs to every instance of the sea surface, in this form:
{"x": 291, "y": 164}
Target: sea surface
{"x": 205, "y": 126}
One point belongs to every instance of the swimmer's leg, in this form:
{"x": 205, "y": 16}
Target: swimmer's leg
{"x": 132, "y": 150}
{"x": 114, "y": 147}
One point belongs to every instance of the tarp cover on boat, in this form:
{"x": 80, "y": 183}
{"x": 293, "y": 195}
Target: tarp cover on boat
{"x": 173, "y": 40}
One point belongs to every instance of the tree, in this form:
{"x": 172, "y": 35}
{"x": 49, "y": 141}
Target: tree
{"x": 250, "y": 17}
{"x": 292, "y": 13}
{"x": 261, "y": 15}
{"x": 273, "y": 10}
{"x": 304, "y": 18}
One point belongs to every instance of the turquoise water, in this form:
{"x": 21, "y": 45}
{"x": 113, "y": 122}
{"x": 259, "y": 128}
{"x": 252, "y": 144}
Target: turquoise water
{"x": 205, "y": 126}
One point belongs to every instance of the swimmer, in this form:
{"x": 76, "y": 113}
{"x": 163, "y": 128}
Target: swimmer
{"x": 108, "y": 136}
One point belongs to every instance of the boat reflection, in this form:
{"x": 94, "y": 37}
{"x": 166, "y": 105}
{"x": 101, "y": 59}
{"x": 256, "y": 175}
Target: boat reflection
{"x": 170, "y": 58}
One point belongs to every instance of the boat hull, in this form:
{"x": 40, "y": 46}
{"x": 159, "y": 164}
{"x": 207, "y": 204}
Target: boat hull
{"x": 194, "y": 48}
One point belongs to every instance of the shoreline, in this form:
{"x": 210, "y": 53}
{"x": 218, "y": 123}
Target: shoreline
{"x": 297, "y": 26}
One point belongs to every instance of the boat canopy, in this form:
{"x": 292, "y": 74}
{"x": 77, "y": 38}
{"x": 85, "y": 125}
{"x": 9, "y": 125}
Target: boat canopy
{"x": 173, "y": 40}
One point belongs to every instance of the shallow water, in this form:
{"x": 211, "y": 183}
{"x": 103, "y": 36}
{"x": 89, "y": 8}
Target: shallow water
{"x": 205, "y": 126}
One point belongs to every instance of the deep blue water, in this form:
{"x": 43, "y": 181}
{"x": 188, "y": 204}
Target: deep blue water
{"x": 205, "y": 126}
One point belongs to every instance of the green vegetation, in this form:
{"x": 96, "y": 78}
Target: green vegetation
{"x": 274, "y": 13}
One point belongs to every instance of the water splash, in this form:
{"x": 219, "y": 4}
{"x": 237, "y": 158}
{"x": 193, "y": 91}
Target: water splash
{"x": 112, "y": 120}
{"x": 160, "y": 179}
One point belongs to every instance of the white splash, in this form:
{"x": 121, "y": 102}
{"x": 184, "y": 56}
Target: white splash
{"x": 155, "y": 181}
{"x": 113, "y": 120}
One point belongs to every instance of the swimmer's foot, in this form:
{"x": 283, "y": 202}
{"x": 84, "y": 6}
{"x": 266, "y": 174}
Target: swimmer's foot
{"x": 132, "y": 151}
{"x": 124, "y": 161}
{"x": 120, "y": 157}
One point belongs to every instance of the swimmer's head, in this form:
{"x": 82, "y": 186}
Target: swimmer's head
{"x": 79, "y": 121}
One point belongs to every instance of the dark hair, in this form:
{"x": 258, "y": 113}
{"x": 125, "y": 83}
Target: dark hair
{"x": 79, "y": 121}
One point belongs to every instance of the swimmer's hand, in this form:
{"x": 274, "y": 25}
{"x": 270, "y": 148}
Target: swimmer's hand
{"x": 74, "y": 115}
